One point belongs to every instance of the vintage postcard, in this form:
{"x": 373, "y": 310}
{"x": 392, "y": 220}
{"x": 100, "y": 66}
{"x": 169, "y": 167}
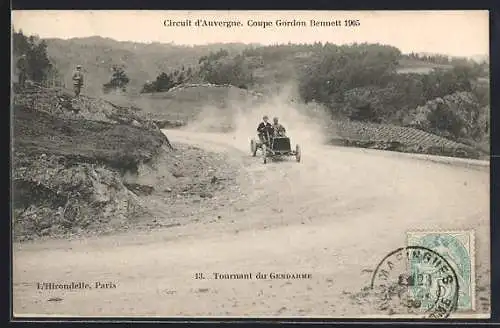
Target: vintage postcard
{"x": 256, "y": 164}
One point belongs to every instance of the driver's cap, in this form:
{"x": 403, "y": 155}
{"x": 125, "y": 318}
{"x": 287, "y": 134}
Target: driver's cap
{"x": 265, "y": 117}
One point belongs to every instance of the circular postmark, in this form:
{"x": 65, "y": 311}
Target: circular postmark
{"x": 416, "y": 280}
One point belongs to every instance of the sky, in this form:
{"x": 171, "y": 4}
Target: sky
{"x": 455, "y": 33}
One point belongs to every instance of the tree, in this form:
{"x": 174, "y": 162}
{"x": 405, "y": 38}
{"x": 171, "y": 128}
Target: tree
{"x": 20, "y": 43}
{"x": 38, "y": 64}
{"x": 334, "y": 70}
{"x": 119, "y": 80}
{"x": 220, "y": 68}
{"x": 163, "y": 82}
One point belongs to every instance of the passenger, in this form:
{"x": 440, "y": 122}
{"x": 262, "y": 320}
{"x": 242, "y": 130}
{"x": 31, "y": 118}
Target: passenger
{"x": 264, "y": 129}
{"x": 278, "y": 129}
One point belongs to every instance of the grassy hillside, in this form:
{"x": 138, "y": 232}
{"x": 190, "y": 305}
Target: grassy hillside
{"x": 186, "y": 102}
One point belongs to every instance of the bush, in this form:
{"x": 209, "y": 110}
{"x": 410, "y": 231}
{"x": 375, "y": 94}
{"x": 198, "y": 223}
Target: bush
{"x": 456, "y": 116}
{"x": 118, "y": 82}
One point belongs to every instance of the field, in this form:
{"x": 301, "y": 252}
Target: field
{"x": 187, "y": 103}
{"x": 418, "y": 66}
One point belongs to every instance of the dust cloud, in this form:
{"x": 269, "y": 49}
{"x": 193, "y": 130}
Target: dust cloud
{"x": 239, "y": 116}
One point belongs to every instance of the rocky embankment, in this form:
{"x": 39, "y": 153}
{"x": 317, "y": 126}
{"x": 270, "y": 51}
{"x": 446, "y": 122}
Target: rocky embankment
{"x": 84, "y": 165}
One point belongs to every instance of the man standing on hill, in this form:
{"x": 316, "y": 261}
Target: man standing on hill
{"x": 22, "y": 66}
{"x": 77, "y": 80}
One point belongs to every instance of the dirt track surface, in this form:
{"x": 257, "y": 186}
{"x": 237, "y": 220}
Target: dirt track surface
{"x": 335, "y": 215}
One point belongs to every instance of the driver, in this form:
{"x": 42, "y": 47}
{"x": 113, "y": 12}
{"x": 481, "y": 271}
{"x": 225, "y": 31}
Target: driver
{"x": 278, "y": 129}
{"x": 264, "y": 129}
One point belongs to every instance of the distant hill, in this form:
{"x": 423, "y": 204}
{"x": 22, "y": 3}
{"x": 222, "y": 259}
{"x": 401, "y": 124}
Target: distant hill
{"x": 143, "y": 61}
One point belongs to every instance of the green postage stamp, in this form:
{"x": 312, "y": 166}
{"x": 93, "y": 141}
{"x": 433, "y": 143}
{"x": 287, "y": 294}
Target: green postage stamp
{"x": 457, "y": 247}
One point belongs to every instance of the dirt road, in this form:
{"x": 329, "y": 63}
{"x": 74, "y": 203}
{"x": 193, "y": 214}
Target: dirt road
{"x": 334, "y": 216}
